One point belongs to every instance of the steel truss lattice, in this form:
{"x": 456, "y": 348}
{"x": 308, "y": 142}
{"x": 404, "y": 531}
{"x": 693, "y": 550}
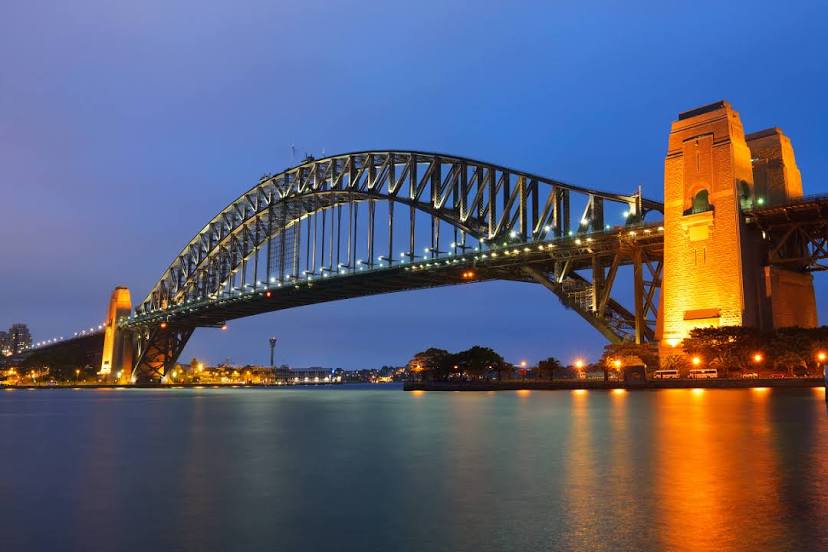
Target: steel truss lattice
{"x": 362, "y": 223}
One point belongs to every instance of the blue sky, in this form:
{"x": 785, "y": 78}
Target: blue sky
{"x": 124, "y": 127}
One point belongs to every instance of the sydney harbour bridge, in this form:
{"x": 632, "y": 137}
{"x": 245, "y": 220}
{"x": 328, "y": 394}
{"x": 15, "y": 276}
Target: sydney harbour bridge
{"x": 374, "y": 222}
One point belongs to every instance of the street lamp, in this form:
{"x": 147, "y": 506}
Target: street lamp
{"x": 758, "y": 358}
{"x": 579, "y": 363}
{"x": 77, "y": 375}
{"x": 695, "y": 360}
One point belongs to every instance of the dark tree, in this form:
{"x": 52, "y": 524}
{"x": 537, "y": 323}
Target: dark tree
{"x": 618, "y": 355}
{"x": 432, "y": 363}
{"x": 478, "y": 361}
{"x": 725, "y": 348}
{"x": 548, "y": 367}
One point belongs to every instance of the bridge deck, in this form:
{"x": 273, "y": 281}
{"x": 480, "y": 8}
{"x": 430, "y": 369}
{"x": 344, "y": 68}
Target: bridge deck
{"x": 502, "y": 262}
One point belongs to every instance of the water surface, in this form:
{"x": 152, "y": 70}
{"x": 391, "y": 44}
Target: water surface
{"x": 375, "y": 468}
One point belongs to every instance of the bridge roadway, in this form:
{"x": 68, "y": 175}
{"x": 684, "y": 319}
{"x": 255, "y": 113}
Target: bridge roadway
{"x": 796, "y": 233}
{"x": 798, "y": 226}
{"x": 557, "y": 261}
{"x": 804, "y": 219}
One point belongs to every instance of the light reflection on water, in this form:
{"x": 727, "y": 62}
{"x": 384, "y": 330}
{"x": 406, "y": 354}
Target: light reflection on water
{"x": 355, "y": 468}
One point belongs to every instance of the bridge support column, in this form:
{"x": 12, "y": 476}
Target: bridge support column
{"x": 158, "y": 349}
{"x": 638, "y": 292}
{"x": 116, "y": 360}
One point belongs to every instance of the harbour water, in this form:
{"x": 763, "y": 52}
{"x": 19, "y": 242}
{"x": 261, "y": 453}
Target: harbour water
{"x": 376, "y": 468}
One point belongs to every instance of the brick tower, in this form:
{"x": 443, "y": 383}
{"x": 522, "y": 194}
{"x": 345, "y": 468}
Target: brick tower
{"x": 713, "y": 262}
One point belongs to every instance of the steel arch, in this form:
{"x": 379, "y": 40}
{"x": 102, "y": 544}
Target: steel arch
{"x": 482, "y": 200}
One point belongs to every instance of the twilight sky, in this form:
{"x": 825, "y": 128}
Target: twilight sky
{"x": 124, "y": 127}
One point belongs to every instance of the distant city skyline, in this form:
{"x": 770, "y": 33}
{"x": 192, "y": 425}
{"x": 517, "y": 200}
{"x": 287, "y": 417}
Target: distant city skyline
{"x": 14, "y": 340}
{"x": 123, "y": 132}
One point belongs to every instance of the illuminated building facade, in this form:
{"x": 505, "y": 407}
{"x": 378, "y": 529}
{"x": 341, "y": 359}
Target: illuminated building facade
{"x": 5, "y": 344}
{"x": 19, "y": 338}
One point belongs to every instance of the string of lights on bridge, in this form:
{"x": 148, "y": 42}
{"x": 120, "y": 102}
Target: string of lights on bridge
{"x": 492, "y": 250}
{"x": 55, "y": 340}
{"x": 475, "y": 253}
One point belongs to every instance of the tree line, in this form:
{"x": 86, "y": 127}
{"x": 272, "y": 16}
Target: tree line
{"x": 477, "y": 364}
{"x": 732, "y": 350}
{"x": 736, "y": 349}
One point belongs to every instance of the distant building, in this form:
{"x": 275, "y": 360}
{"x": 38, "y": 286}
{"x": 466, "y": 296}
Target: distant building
{"x": 307, "y": 375}
{"x": 5, "y": 344}
{"x": 20, "y": 338}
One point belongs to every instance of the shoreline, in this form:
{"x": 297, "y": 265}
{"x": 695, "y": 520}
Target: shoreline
{"x": 171, "y": 386}
{"x": 788, "y": 383}
{"x": 559, "y": 385}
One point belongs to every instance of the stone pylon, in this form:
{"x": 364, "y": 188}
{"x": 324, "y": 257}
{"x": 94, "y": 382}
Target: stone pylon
{"x": 714, "y": 263}
{"x": 116, "y": 361}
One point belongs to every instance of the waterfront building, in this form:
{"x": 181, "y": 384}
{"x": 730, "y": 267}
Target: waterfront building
{"x": 20, "y": 338}
{"x": 304, "y": 375}
{"x": 5, "y": 344}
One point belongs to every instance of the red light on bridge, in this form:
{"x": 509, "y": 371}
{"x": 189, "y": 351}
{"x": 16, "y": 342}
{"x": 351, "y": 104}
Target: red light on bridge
{"x": 468, "y": 275}
{"x": 267, "y": 294}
